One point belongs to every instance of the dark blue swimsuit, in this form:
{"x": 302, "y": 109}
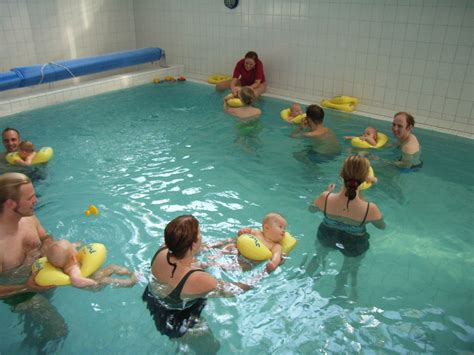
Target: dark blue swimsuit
{"x": 173, "y": 316}
{"x": 350, "y": 240}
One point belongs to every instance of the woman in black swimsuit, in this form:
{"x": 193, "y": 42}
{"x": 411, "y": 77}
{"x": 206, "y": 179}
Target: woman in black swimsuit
{"x": 176, "y": 293}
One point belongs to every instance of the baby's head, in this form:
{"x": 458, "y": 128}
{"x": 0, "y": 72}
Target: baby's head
{"x": 247, "y": 95}
{"x": 274, "y": 227}
{"x": 370, "y": 132}
{"x": 25, "y": 148}
{"x": 295, "y": 109}
{"x": 60, "y": 252}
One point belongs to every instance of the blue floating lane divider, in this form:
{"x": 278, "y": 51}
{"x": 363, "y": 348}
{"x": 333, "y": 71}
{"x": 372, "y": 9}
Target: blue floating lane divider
{"x": 67, "y": 69}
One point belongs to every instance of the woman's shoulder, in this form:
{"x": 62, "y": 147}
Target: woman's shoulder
{"x": 200, "y": 281}
{"x": 374, "y": 212}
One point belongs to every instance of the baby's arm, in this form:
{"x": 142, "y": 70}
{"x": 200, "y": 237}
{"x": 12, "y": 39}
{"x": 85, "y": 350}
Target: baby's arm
{"x": 276, "y": 258}
{"x": 77, "y": 280}
{"x": 370, "y": 140}
{"x": 103, "y": 276}
{"x": 349, "y": 137}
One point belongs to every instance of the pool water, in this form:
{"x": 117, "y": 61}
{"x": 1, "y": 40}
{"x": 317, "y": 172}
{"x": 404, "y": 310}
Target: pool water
{"x": 148, "y": 154}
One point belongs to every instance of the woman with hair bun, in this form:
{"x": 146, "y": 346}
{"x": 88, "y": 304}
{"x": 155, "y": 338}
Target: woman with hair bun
{"x": 177, "y": 291}
{"x": 346, "y": 213}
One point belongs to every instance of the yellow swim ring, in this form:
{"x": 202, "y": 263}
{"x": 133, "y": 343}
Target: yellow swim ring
{"x": 252, "y": 248}
{"x": 235, "y": 102}
{"x": 359, "y": 143}
{"x": 366, "y": 184}
{"x": 285, "y": 115}
{"x": 343, "y": 103}
{"x": 217, "y": 78}
{"x": 91, "y": 257}
{"x": 42, "y": 156}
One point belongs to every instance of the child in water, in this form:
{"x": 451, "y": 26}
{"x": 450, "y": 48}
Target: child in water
{"x": 272, "y": 233}
{"x": 62, "y": 254}
{"x": 369, "y": 136}
{"x": 26, "y": 151}
{"x": 295, "y": 111}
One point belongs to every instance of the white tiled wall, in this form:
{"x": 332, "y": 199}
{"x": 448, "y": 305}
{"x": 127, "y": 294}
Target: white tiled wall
{"x": 394, "y": 55}
{"x": 413, "y": 55}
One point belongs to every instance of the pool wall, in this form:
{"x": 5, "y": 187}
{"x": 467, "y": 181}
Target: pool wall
{"x": 401, "y": 55}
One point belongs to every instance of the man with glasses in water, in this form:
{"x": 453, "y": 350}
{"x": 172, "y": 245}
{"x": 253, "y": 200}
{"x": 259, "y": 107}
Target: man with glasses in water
{"x": 22, "y": 240}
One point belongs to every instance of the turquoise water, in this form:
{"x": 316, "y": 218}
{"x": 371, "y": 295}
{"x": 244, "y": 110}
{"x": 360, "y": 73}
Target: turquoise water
{"x": 148, "y": 154}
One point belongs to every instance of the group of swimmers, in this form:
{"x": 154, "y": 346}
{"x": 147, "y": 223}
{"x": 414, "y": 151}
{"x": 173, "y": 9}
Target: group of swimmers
{"x": 178, "y": 288}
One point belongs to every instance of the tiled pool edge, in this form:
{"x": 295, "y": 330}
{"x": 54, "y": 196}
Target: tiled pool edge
{"x": 86, "y": 89}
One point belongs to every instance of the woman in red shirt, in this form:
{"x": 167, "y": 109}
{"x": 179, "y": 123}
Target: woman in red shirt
{"x": 248, "y": 72}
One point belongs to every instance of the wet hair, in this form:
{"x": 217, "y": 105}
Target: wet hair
{"x": 408, "y": 117}
{"x": 26, "y": 146}
{"x": 180, "y": 234}
{"x": 59, "y": 253}
{"x": 315, "y": 114}
{"x": 354, "y": 172}
{"x": 10, "y": 187}
{"x": 247, "y": 95}
{"x": 10, "y": 129}
{"x": 252, "y": 55}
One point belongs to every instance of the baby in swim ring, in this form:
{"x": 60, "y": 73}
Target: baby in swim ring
{"x": 295, "y": 111}
{"x": 272, "y": 233}
{"x": 26, "y": 151}
{"x": 369, "y": 136}
{"x": 62, "y": 254}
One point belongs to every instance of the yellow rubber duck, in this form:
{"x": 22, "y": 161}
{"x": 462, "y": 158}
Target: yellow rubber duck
{"x": 156, "y": 81}
{"x": 92, "y": 210}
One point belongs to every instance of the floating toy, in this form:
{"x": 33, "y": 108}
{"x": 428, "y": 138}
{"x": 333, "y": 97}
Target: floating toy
{"x": 169, "y": 78}
{"x": 42, "y": 156}
{"x": 217, "y": 78}
{"x": 366, "y": 184}
{"x": 181, "y": 78}
{"x": 359, "y": 143}
{"x": 156, "y": 81}
{"x": 92, "y": 210}
{"x": 343, "y": 103}
{"x": 91, "y": 257}
{"x": 285, "y": 115}
{"x": 252, "y": 248}
{"x": 236, "y": 102}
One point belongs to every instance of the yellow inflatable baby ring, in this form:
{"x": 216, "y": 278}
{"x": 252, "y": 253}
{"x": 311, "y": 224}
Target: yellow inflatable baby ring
{"x": 343, "y": 103}
{"x": 252, "y": 248}
{"x": 285, "y": 115}
{"x": 42, "y": 156}
{"x": 359, "y": 143}
{"x": 217, "y": 78}
{"x": 365, "y": 184}
{"x": 235, "y": 102}
{"x": 91, "y": 257}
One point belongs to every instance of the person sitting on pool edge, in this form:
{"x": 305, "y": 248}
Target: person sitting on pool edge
{"x": 62, "y": 254}
{"x": 247, "y": 111}
{"x": 248, "y": 72}
{"x": 402, "y": 126}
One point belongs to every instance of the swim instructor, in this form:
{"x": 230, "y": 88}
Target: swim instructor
{"x": 247, "y": 72}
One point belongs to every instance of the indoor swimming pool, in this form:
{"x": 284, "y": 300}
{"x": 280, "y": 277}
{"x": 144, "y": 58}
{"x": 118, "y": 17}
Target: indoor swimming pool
{"x": 148, "y": 154}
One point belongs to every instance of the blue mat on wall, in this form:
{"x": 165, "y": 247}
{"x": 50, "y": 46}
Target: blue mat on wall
{"x": 39, "y": 74}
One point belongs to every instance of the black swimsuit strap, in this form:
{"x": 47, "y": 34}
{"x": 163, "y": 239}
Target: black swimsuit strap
{"x": 366, "y": 213}
{"x": 326, "y": 203}
{"x": 176, "y": 293}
